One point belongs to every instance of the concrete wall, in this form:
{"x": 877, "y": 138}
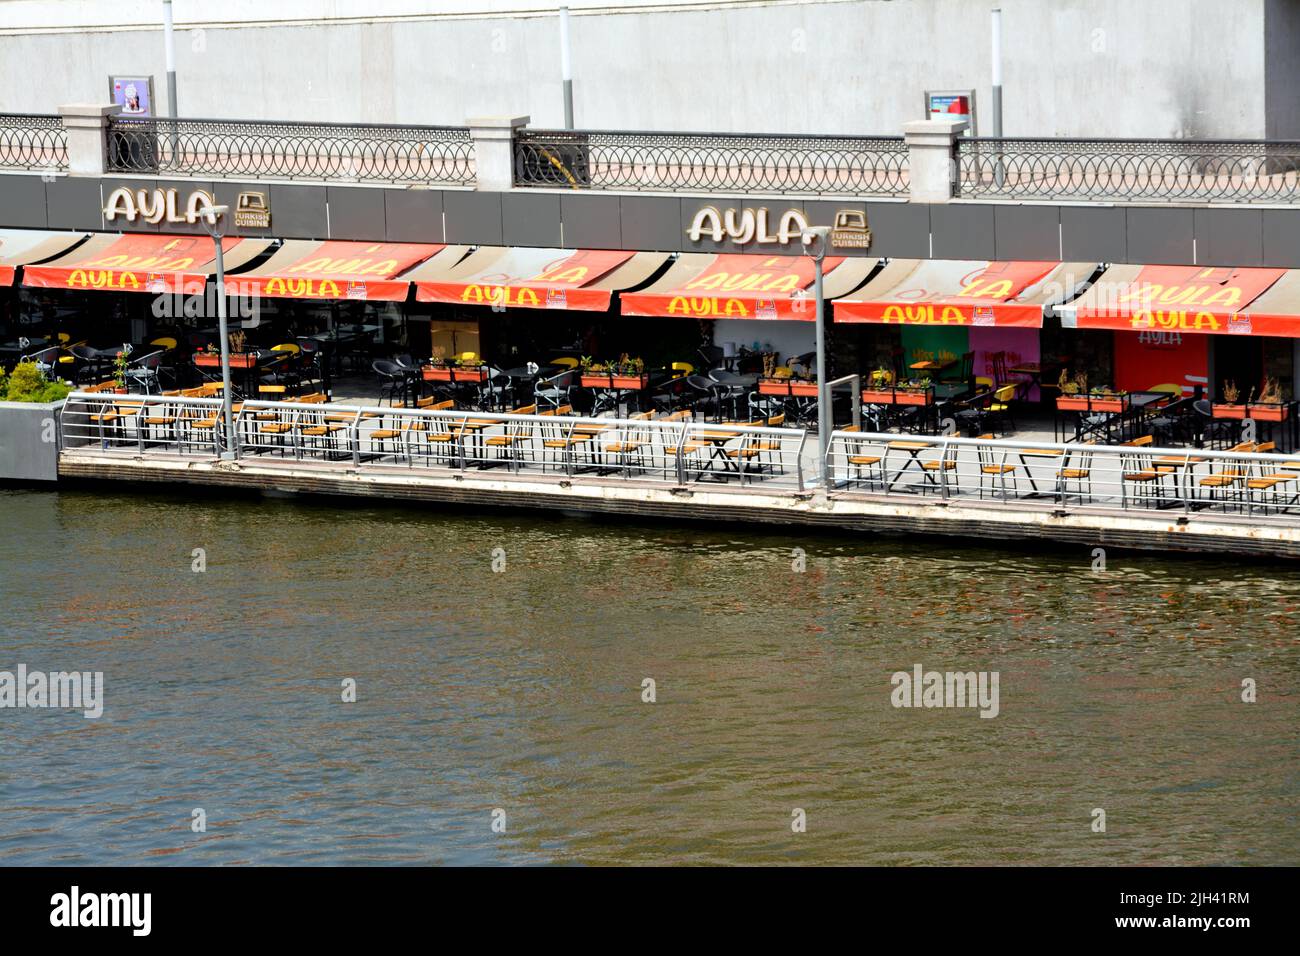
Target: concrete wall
{"x": 1072, "y": 67}
{"x": 1282, "y": 61}
{"x": 25, "y": 453}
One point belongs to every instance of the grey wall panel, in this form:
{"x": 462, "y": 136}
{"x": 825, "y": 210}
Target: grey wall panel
{"x": 962, "y": 231}
{"x": 356, "y": 212}
{"x": 899, "y": 230}
{"x": 413, "y": 215}
{"x": 472, "y": 217}
{"x": 1027, "y": 232}
{"x": 73, "y": 203}
{"x": 1094, "y": 233}
{"x": 1159, "y": 236}
{"x": 1229, "y": 237}
{"x": 652, "y": 223}
{"x": 1281, "y": 229}
{"x": 22, "y": 200}
{"x": 591, "y": 221}
{"x": 24, "y": 454}
{"x": 298, "y": 212}
{"x": 530, "y": 219}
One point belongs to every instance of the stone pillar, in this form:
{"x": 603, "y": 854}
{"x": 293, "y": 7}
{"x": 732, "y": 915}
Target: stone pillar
{"x": 494, "y": 150}
{"x": 931, "y": 159}
{"x": 87, "y": 126}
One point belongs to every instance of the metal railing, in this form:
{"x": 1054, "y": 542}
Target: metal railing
{"x": 281, "y": 150}
{"x": 672, "y": 451}
{"x": 33, "y": 141}
{"x": 743, "y": 163}
{"x": 1065, "y": 477}
{"x": 1129, "y": 170}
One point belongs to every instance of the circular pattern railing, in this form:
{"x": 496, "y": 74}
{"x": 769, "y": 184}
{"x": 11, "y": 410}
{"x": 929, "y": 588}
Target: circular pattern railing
{"x": 396, "y": 154}
{"x": 33, "y": 141}
{"x": 1130, "y": 170}
{"x": 817, "y": 165}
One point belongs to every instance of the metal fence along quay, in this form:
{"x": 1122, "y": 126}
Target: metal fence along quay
{"x": 744, "y": 163}
{"x": 1129, "y": 170}
{"x": 867, "y": 166}
{"x": 33, "y": 141}
{"x": 679, "y": 452}
{"x": 280, "y": 150}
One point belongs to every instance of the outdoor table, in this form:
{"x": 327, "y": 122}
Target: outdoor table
{"x": 931, "y": 365}
{"x": 717, "y": 452}
{"x": 734, "y": 383}
{"x": 913, "y": 449}
{"x": 1188, "y": 463}
{"x": 1047, "y": 453}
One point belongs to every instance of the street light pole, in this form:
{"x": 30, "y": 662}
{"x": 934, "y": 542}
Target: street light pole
{"x": 169, "y": 48}
{"x": 566, "y": 68}
{"x": 814, "y": 244}
{"x": 214, "y": 221}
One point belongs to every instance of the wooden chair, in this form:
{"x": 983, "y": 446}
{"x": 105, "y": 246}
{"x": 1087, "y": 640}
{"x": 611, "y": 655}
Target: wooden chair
{"x": 939, "y": 468}
{"x": 994, "y": 469}
{"x": 1137, "y": 469}
{"x": 1229, "y": 483}
{"x": 630, "y": 446}
{"x": 517, "y": 436}
{"x": 1080, "y": 473}
{"x": 867, "y": 469}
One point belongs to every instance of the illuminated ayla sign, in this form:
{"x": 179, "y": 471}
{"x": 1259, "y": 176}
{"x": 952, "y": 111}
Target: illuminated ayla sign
{"x": 156, "y": 205}
{"x": 743, "y": 226}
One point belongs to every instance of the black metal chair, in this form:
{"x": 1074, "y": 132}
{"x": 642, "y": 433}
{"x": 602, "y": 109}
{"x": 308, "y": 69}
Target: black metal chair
{"x": 392, "y": 379}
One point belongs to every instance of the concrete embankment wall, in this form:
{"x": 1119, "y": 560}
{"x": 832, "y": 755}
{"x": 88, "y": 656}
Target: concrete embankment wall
{"x": 1158, "y": 531}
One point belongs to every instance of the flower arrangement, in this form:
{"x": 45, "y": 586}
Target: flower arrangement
{"x": 120, "y": 363}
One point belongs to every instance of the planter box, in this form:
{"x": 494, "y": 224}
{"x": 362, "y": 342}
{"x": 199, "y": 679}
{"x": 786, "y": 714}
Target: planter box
{"x": 898, "y": 396}
{"x": 787, "y": 387}
{"x": 237, "y": 360}
{"x": 455, "y": 374}
{"x": 608, "y": 380}
{"x": 29, "y": 441}
{"x": 1269, "y": 413}
{"x": 1090, "y": 403}
{"x": 1228, "y": 411}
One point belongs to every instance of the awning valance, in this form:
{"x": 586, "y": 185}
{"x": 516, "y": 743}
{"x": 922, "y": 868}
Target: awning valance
{"x": 945, "y": 292}
{"x": 704, "y": 286}
{"x": 141, "y": 262}
{"x": 1244, "y": 301}
{"x": 530, "y": 278}
{"x": 20, "y": 247}
{"x": 335, "y": 269}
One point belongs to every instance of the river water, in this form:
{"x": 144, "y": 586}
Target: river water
{"x": 515, "y": 696}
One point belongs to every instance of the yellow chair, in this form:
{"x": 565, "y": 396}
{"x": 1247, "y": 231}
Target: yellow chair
{"x": 682, "y": 368}
{"x": 289, "y": 347}
{"x": 567, "y": 361}
{"x": 164, "y": 342}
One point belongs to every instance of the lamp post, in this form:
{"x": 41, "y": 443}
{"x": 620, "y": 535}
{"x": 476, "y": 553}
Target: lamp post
{"x": 814, "y": 246}
{"x": 214, "y": 221}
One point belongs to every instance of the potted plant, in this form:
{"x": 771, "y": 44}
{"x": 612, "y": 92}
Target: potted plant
{"x": 1106, "y": 399}
{"x": 629, "y": 373}
{"x": 1074, "y": 392}
{"x": 1229, "y": 407}
{"x": 120, "y": 363}
{"x": 880, "y": 387}
{"x": 1269, "y": 407}
{"x": 593, "y": 374}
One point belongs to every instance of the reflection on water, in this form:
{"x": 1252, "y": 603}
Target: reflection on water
{"x": 522, "y": 690}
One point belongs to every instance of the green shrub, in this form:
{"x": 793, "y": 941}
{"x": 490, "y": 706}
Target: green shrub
{"x": 28, "y": 384}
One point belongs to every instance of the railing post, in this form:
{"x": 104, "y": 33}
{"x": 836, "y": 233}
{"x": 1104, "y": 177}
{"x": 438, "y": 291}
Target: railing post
{"x": 494, "y": 150}
{"x": 931, "y": 158}
{"x": 88, "y": 146}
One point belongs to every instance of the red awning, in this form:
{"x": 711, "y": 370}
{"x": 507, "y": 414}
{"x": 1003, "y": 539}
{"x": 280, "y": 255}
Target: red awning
{"x": 1245, "y": 301}
{"x": 336, "y": 269}
{"x": 964, "y": 293}
{"x": 138, "y": 262}
{"x": 702, "y": 286}
{"x": 21, "y": 247}
{"x": 531, "y": 278}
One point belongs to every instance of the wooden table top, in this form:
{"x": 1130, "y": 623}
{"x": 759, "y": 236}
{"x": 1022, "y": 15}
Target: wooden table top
{"x": 912, "y": 445}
